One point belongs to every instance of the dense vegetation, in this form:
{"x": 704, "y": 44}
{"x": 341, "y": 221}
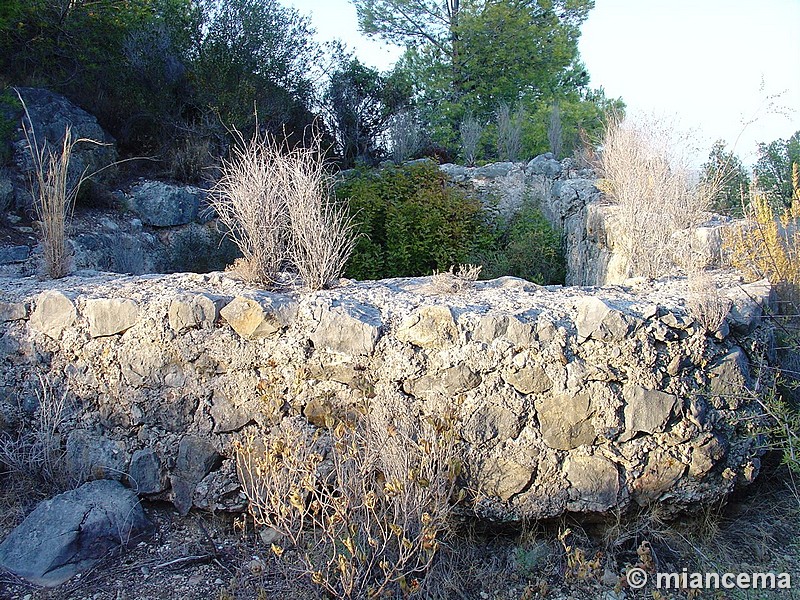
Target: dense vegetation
{"x": 412, "y": 222}
{"x": 168, "y": 78}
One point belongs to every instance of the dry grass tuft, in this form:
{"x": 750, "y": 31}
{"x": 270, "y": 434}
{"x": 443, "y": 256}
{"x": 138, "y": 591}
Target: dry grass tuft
{"x": 705, "y": 303}
{"x": 54, "y": 193}
{"x": 322, "y": 233}
{"x": 278, "y": 209}
{"x": 36, "y": 452}
{"x": 250, "y": 200}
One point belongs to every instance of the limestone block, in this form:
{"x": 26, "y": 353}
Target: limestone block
{"x": 91, "y": 456}
{"x": 451, "y": 381}
{"x": 429, "y": 327}
{"x": 600, "y": 321}
{"x": 646, "y": 410}
{"x": 227, "y": 415}
{"x": 504, "y": 478}
{"x": 197, "y": 457}
{"x": 565, "y": 421}
{"x": 749, "y": 302}
{"x": 660, "y": 474}
{"x": 351, "y": 329}
{"x": 196, "y": 311}
{"x": 707, "y": 454}
{"x": 594, "y": 483}
{"x": 260, "y": 316}
{"x": 108, "y": 316}
{"x": 73, "y": 531}
{"x": 489, "y": 328}
{"x": 13, "y": 311}
{"x": 54, "y": 312}
{"x": 730, "y": 375}
{"x": 146, "y": 474}
{"x": 530, "y": 379}
{"x": 491, "y": 423}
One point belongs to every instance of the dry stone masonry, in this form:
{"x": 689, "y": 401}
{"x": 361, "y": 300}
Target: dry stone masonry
{"x": 567, "y": 399}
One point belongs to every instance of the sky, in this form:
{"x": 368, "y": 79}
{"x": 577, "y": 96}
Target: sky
{"x": 723, "y": 69}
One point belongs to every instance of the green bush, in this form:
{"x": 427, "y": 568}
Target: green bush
{"x": 527, "y": 247}
{"x": 411, "y": 221}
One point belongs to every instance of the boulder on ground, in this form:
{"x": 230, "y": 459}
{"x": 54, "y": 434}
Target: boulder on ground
{"x": 71, "y": 532}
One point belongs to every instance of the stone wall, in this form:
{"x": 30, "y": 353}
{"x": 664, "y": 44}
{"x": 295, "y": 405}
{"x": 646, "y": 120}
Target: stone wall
{"x": 567, "y": 399}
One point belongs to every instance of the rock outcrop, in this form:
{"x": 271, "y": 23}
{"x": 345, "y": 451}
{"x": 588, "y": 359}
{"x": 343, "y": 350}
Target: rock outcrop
{"x": 566, "y": 399}
{"x": 593, "y": 238}
{"x": 72, "y": 532}
{"x": 50, "y": 115}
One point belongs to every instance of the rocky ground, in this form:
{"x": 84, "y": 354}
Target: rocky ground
{"x": 202, "y": 556}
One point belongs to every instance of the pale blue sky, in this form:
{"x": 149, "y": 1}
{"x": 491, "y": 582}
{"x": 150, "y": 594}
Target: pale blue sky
{"x": 704, "y": 61}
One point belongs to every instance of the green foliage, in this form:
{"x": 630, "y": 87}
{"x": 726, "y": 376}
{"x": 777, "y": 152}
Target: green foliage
{"x": 505, "y": 52}
{"x": 774, "y": 169}
{"x": 411, "y": 222}
{"x": 726, "y": 176}
{"x": 361, "y": 102}
{"x": 513, "y": 49}
{"x": 87, "y": 50}
{"x": 527, "y": 247}
{"x": 255, "y": 54}
{"x": 161, "y": 74}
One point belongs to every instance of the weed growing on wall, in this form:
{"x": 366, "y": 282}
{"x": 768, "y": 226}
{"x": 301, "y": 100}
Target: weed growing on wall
{"x": 647, "y": 172}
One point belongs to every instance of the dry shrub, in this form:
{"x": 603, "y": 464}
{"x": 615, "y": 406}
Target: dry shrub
{"x": 768, "y": 246}
{"x": 277, "y": 207}
{"x": 647, "y": 172}
{"x": 54, "y": 193}
{"x": 36, "y": 451}
{"x": 451, "y": 282}
{"x": 362, "y": 507}
{"x": 405, "y": 135}
{"x": 189, "y": 159}
{"x": 509, "y": 132}
{"x": 250, "y": 201}
{"x": 471, "y": 131}
{"x": 322, "y": 232}
{"x": 705, "y": 302}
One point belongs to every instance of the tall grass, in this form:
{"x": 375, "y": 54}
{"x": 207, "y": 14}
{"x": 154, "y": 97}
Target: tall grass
{"x": 509, "y": 131}
{"x": 36, "y": 451}
{"x": 54, "y": 193}
{"x": 471, "y": 131}
{"x": 321, "y": 231}
{"x": 250, "y": 201}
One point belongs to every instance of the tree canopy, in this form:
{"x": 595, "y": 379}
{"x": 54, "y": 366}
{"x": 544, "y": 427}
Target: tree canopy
{"x": 773, "y": 170}
{"x": 727, "y": 178}
{"x": 471, "y": 56}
